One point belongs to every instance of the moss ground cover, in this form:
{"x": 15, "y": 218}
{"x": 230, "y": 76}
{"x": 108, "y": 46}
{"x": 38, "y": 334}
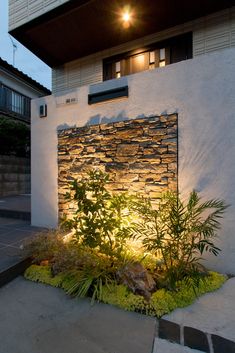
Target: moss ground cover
{"x": 161, "y": 302}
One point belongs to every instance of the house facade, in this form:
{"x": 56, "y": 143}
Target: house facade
{"x": 16, "y": 91}
{"x": 144, "y": 91}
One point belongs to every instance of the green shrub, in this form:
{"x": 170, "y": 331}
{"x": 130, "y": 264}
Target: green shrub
{"x": 90, "y": 278}
{"x": 86, "y": 283}
{"x": 100, "y": 220}
{"x": 14, "y": 137}
{"x": 44, "y": 246}
{"x": 178, "y": 233}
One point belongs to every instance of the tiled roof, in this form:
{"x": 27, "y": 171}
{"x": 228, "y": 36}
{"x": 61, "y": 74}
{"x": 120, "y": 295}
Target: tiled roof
{"x": 14, "y": 71}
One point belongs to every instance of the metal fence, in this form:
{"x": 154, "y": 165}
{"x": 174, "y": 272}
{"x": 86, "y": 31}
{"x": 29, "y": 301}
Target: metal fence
{"x": 14, "y": 103}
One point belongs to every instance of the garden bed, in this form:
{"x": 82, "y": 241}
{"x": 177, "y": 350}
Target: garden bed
{"x": 128, "y": 251}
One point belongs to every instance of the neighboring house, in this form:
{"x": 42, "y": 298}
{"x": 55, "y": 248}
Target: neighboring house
{"x": 173, "y": 59}
{"x": 16, "y": 91}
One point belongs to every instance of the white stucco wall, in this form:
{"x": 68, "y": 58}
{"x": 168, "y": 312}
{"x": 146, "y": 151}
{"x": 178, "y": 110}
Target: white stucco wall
{"x": 201, "y": 91}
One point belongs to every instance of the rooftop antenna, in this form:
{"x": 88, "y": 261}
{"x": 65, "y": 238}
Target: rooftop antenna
{"x": 14, "y": 46}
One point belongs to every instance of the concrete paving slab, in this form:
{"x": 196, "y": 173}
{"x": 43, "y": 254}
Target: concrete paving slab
{"x": 163, "y": 346}
{"x": 7, "y": 261}
{"x": 212, "y": 313}
{"x": 36, "y": 318}
{"x": 13, "y": 234}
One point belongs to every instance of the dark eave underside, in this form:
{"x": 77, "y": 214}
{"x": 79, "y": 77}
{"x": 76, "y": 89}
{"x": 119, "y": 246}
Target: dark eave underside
{"x": 80, "y": 27}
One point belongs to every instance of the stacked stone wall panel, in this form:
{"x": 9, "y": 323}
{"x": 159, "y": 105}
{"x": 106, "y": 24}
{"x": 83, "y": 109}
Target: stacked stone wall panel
{"x": 140, "y": 156}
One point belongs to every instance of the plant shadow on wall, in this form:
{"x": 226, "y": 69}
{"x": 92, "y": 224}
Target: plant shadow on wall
{"x": 127, "y": 251}
{"x": 99, "y": 119}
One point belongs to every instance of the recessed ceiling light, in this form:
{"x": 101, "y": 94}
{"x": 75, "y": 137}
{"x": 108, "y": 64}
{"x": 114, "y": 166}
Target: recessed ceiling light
{"x": 126, "y": 16}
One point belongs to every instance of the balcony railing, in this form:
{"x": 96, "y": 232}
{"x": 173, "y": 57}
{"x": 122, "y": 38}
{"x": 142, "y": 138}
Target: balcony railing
{"x": 14, "y": 103}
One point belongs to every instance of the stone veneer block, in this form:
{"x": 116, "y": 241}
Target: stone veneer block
{"x": 222, "y": 345}
{"x": 169, "y": 330}
{"x": 140, "y": 156}
{"x": 196, "y": 339}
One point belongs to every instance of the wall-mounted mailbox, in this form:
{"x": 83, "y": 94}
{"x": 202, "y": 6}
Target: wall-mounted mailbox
{"x": 107, "y": 95}
{"x": 43, "y": 111}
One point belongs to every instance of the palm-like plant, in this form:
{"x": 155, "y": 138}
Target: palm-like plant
{"x": 179, "y": 233}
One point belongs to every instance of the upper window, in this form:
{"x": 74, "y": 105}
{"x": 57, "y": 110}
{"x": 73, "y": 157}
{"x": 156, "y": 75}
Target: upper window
{"x": 157, "y": 55}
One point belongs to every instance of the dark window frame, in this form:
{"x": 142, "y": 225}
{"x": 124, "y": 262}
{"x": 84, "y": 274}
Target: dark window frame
{"x": 167, "y": 43}
{"x": 15, "y": 103}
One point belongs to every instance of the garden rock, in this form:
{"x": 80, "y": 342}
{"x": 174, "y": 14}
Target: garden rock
{"x": 137, "y": 279}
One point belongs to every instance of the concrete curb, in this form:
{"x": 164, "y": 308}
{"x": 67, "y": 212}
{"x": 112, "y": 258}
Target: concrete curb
{"x": 25, "y": 216}
{"x": 10, "y": 273}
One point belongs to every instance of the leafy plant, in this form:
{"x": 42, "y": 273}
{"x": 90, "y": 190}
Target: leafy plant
{"x": 14, "y": 137}
{"x": 90, "y": 273}
{"x": 100, "y": 220}
{"x": 178, "y": 234}
{"x": 87, "y": 283}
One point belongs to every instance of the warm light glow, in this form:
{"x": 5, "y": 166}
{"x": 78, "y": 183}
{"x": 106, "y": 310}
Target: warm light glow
{"x": 139, "y": 59}
{"x": 126, "y": 17}
{"x": 162, "y": 63}
{"x": 68, "y": 237}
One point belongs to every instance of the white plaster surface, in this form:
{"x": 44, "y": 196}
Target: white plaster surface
{"x": 201, "y": 91}
{"x": 163, "y": 346}
{"x": 212, "y": 313}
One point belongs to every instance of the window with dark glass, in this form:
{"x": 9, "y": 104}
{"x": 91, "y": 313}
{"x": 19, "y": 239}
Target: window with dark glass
{"x": 159, "y": 54}
{"x": 14, "y": 102}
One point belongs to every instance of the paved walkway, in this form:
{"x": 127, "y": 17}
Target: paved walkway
{"x": 36, "y": 318}
{"x": 40, "y": 319}
{"x": 13, "y": 232}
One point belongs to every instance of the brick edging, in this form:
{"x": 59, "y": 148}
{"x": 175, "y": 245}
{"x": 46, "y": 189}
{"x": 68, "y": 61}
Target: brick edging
{"x": 194, "y": 338}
